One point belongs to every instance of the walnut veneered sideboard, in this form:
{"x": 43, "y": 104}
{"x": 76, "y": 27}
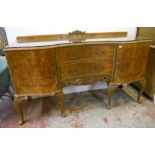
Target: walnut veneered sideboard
{"x": 42, "y": 70}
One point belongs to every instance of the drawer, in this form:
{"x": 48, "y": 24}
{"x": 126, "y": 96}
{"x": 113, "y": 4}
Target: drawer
{"x": 86, "y": 80}
{"x": 70, "y": 70}
{"x": 85, "y": 52}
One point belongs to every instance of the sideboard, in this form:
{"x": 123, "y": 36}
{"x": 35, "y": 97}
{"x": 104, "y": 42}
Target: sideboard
{"x": 43, "y": 70}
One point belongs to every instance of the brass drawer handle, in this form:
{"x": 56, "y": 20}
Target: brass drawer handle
{"x": 99, "y": 68}
{"x": 72, "y": 71}
{"x": 72, "y": 56}
{"x": 100, "y": 52}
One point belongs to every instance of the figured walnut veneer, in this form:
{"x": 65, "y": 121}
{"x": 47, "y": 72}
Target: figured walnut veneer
{"x": 131, "y": 62}
{"x": 33, "y": 71}
{"x": 86, "y": 52}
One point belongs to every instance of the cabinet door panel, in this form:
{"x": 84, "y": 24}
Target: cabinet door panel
{"x": 33, "y": 71}
{"x": 131, "y": 61}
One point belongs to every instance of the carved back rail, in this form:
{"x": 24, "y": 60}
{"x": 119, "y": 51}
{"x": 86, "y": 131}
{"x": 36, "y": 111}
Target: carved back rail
{"x": 75, "y": 36}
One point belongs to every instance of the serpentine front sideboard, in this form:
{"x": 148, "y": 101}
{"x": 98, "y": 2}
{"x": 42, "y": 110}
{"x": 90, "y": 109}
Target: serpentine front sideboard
{"x": 43, "y": 70}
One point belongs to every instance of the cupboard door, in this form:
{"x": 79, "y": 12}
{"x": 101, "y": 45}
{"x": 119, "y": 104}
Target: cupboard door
{"x": 131, "y": 61}
{"x": 33, "y": 71}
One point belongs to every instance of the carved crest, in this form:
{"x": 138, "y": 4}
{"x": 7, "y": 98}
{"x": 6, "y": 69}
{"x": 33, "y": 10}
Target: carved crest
{"x": 77, "y": 36}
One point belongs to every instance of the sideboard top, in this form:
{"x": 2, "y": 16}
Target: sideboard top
{"x": 66, "y": 43}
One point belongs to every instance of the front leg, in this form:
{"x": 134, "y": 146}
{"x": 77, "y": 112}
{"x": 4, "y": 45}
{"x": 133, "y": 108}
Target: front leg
{"x": 142, "y": 87}
{"x": 29, "y": 98}
{"x": 111, "y": 88}
{"x": 17, "y": 104}
{"x": 61, "y": 96}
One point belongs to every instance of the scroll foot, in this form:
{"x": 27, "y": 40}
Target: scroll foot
{"x": 61, "y": 96}
{"x": 142, "y": 87}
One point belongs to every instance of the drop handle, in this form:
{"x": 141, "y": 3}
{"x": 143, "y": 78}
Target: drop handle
{"x": 99, "y": 52}
{"x": 72, "y": 71}
{"x": 99, "y": 68}
{"x": 72, "y": 56}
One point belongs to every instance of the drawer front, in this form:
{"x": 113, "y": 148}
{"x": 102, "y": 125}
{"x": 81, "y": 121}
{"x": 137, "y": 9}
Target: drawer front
{"x": 86, "y": 80}
{"x": 85, "y": 52}
{"x": 70, "y": 70}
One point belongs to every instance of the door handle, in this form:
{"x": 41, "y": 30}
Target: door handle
{"x": 117, "y": 65}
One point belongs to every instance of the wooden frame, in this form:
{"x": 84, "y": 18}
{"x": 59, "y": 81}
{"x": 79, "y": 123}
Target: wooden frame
{"x": 75, "y": 36}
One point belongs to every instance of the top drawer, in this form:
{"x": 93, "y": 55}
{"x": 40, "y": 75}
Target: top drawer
{"x": 86, "y": 52}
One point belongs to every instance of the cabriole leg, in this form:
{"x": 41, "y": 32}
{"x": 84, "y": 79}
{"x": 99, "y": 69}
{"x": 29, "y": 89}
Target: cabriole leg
{"x": 111, "y": 88}
{"x": 142, "y": 85}
{"x": 61, "y": 96}
{"x": 17, "y": 104}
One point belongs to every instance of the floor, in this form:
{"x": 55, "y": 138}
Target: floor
{"x": 84, "y": 110}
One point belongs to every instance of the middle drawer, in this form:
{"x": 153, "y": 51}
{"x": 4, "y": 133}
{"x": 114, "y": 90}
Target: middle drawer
{"x": 85, "y": 52}
{"x": 70, "y": 70}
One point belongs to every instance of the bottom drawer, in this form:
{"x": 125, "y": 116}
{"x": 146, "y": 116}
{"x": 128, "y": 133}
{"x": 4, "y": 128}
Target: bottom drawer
{"x": 85, "y": 68}
{"x": 85, "y": 80}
